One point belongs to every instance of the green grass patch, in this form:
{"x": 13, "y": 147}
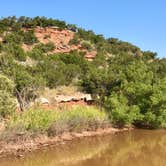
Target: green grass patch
{"x": 52, "y": 122}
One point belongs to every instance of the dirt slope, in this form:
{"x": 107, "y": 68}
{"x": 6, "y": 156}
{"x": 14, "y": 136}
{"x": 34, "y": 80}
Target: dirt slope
{"x": 61, "y": 39}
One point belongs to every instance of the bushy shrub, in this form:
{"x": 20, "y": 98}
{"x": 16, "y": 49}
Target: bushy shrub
{"x": 14, "y": 50}
{"x": 13, "y": 37}
{"x": 86, "y": 45}
{"x": 29, "y": 37}
{"x": 7, "y": 104}
{"x": 36, "y": 54}
{"x": 7, "y": 100}
{"x": 46, "y": 47}
{"x": 6, "y": 84}
{"x": 74, "y": 41}
{"x": 121, "y": 113}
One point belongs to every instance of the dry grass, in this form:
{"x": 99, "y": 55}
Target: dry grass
{"x": 61, "y": 90}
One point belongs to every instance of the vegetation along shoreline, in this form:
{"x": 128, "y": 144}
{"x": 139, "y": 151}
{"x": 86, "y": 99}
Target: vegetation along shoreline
{"x": 59, "y": 82}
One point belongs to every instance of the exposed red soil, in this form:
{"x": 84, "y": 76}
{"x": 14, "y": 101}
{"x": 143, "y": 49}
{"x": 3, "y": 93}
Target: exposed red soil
{"x": 61, "y": 39}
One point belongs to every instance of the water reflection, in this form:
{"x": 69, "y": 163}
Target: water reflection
{"x": 136, "y": 148}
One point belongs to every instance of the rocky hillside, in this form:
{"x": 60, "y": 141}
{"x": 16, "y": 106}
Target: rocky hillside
{"x": 61, "y": 40}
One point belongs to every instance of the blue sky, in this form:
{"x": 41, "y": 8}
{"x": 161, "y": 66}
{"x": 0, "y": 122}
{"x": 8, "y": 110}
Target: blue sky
{"x": 141, "y": 22}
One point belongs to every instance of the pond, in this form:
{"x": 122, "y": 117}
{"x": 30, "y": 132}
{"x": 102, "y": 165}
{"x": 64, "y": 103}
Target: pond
{"x": 134, "y": 148}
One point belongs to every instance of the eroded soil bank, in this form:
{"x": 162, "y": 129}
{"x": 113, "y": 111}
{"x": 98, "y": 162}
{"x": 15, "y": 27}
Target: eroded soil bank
{"x": 20, "y": 147}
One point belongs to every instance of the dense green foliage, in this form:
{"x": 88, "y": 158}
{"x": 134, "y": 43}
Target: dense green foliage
{"x": 17, "y": 23}
{"x": 129, "y": 83}
{"x": 7, "y": 101}
{"x": 132, "y": 90}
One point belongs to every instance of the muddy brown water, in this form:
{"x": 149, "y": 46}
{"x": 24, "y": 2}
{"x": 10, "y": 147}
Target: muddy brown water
{"x": 134, "y": 148}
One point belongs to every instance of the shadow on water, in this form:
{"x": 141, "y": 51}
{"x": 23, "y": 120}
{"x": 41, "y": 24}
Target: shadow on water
{"x": 135, "y": 148}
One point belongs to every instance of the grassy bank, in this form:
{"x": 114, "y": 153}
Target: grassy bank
{"x": 52, "y": 123}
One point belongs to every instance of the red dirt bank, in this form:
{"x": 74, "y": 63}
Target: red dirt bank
{"x": 19, "y": 148}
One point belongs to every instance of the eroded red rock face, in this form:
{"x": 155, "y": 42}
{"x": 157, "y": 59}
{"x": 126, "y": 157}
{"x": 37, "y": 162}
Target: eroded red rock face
{"x": 61, "y": 39}
{"x": 90, "y": 55}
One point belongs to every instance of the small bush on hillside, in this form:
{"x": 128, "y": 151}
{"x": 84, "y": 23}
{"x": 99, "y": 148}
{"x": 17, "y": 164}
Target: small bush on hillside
{"x": 74, "y": 41}
{"x": 29, "y": 37}
{"x": 14, "y": 50}
{"x": 36, "y": 54}
{"x": 19, "y": 54}
{"x": 46, "y": 47}
{"x": 6, "y": 84}
{"x": 14, "y": 37}
{"x": 86, "y": 45}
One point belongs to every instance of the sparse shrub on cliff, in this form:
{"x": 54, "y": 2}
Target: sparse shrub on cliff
{"x": 46, "y": 47}
{"x": 87, "y": 45}
{"x": 15, "y": 51}
{"x": 14, "y": 37}
{"x": 29, "y": 37}
{"x": 74, "y": 41}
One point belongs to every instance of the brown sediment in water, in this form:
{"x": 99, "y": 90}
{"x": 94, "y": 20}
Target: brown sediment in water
{"x": 19, "y": 148}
